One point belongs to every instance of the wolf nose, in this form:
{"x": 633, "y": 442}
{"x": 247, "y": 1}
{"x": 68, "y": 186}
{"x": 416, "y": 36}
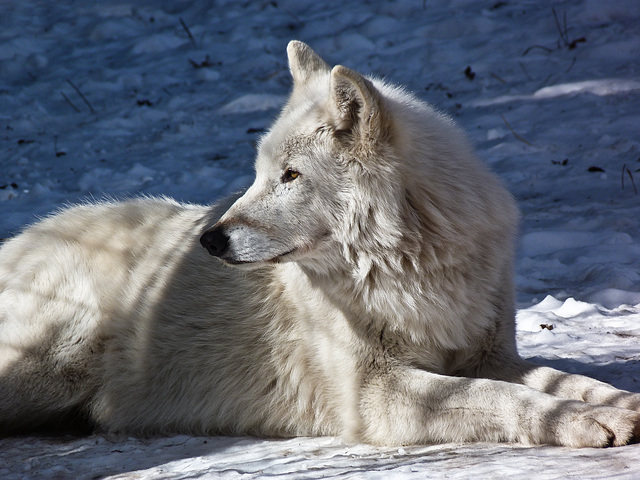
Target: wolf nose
{"x": 215, "y": 241}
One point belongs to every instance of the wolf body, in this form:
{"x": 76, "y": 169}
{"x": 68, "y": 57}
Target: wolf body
{"x": 363, "y": 288}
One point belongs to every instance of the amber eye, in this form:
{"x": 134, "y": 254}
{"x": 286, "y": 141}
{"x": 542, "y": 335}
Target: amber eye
{"x": 289, "y": 175}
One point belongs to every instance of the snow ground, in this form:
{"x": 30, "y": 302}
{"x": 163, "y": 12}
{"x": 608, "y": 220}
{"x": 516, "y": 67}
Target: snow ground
{"x": 119, "y": 98}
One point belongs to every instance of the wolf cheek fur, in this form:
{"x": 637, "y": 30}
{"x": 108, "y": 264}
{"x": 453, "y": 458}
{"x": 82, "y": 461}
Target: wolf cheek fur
{"x": 371, "y": 296}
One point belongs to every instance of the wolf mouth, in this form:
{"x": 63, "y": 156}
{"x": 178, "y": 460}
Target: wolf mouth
{"x": 275, "y": 259}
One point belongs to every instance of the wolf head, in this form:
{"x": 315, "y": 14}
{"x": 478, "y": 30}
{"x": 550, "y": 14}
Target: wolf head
{"x": 300, "y": 195}
{"x": 354, "y": 172}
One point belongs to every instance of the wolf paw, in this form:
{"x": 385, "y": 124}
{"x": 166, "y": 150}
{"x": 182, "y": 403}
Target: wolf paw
{"x": 597, "y": 426}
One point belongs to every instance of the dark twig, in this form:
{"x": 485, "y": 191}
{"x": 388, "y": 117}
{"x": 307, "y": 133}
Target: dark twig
{"x": 59, "y": 153}
{"x": 571, "y": 66}
{"x": 70, "y": 102}
{"x": 497, "y": 77}
{"x": 186, "y": 29}
{"x": 562, "y": 31}
{"x": 526, "y": 74}
{"x": 81, "y": 95}
{"x": 547, "y": 49}
{"x": 515, "y": 134}
{"x": 626, "y": 169}
{"x": 574, "y": 43}
{"x": 546, "y": 80}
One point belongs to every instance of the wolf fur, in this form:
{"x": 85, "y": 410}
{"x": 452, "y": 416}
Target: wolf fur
{"x": 363, "y": 288}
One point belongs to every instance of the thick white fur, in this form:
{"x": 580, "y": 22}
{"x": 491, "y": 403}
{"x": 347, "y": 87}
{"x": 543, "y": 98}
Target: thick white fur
{"x": 372, "y": 298}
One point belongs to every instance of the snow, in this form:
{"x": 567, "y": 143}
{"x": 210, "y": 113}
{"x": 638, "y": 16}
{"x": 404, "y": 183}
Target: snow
{"x": 300, "y": 458}
{"x": 606, "y": 86}
{"x": 117, "y": 98}
{"x": 254, "y": 102}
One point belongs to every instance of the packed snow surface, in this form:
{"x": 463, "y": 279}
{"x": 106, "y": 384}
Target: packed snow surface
{"x": 120, "y": 98}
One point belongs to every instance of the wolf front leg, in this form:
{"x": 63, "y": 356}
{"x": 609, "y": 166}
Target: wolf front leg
{"x": 411, "y": 406}
{"x": 559, "y": 384}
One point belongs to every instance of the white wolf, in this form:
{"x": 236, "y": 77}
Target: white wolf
{"x": 372, "y": 297}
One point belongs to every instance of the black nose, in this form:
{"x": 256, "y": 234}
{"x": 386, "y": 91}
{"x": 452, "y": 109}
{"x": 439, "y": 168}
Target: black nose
{"x": 215, "y": 241}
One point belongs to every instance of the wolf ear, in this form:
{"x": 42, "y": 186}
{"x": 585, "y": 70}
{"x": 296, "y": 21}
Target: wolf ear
{"x": 304, "y": 63}
{"x": 357, "y": 106}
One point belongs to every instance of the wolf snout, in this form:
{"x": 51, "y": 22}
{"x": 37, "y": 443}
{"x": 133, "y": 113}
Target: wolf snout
{"x": 215, "y": 241}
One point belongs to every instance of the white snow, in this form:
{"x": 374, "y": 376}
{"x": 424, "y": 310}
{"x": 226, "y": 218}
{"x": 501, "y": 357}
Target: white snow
{"x": 604, "y": 87}
{"x": 254, "y": 102}
{"x": 116, "y": 98}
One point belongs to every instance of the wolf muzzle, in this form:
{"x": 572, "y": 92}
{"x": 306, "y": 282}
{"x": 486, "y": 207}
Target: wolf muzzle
{"x": 215, "y": 241}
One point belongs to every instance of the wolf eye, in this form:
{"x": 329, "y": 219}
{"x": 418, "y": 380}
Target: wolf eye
{"x": 289, "y": 175}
